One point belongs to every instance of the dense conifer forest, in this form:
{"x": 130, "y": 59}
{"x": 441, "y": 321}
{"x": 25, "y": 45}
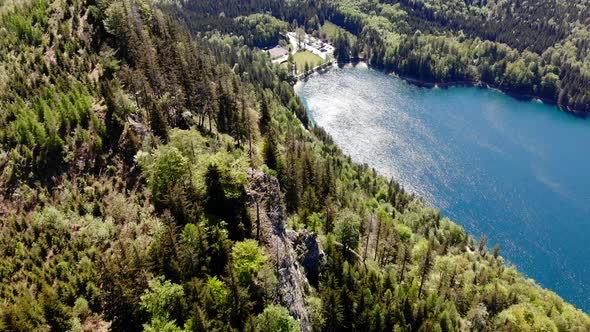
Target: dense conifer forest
{"x": 527, "y": 48}
{"x": 158, "y": 173}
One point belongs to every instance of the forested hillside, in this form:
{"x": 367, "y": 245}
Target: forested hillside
{"x": 157, "y": 173}
{"x": 527, "y": 48}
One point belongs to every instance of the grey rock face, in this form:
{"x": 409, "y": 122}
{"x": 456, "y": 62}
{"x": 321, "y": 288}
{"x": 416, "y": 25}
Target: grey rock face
{"x": 285, "y": 252}
{"x": 309, "y": 254}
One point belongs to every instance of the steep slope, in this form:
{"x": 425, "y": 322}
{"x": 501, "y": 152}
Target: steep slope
{"x": 265, "y": 198}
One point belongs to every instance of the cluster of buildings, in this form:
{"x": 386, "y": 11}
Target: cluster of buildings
{"x": 301, "y": 41}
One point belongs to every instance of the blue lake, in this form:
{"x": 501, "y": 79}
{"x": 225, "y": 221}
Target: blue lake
{"x": 516, "y": 171}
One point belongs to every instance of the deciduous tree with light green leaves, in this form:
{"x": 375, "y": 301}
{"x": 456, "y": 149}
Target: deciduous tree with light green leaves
{"x": 347, "y": 229}
{"x": 160, "y": 301}
{"x": 247, "y": 259}
{"x": 275, "y": 318}
{"x": 166, "y": 168}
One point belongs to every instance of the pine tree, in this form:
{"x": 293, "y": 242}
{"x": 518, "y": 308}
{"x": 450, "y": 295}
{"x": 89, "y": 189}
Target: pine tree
{"x": 425, "y": 266}
{"x": 265, "y": 116}
{"x": 333, "y": 311}
{"x": 271, "y": 153}
{"x": 215, "y": 196}
{"x": 406, "y": 258}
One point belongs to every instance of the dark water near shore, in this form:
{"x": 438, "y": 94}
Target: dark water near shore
{"x": 517, "y": 171}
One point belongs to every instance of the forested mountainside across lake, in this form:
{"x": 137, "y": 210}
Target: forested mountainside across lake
{"x": 527, "y": 48}
{"x": 158, "y": 173}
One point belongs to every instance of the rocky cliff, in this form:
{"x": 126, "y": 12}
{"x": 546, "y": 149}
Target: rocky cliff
{"x": 295, "y": 255}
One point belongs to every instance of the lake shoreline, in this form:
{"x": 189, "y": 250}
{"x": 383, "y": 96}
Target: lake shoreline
{"x": 445, "y": 85}
{"x": 484, "y": 85}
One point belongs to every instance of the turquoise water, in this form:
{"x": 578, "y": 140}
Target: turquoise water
{"x": 516, "y": 171}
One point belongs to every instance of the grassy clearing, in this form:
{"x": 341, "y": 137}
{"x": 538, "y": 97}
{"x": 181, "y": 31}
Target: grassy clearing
{"x": 331, "y": 30}
{"x": 303, "y": 57}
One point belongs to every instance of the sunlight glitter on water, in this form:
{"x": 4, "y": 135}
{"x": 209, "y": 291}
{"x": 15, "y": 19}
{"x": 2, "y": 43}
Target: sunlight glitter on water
{"x": 509, "y": 169}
